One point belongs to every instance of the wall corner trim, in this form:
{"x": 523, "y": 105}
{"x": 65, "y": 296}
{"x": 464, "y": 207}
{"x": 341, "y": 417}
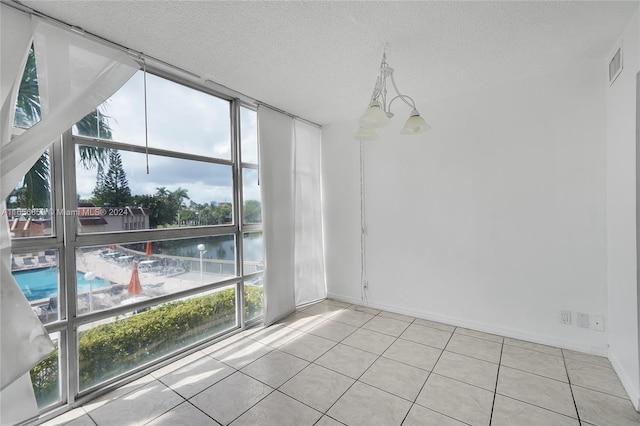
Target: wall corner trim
{"x": 630, "y": 385}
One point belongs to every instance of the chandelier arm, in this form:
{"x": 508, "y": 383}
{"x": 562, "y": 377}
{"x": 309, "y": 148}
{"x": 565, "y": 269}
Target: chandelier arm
{"x": 383, "y": 95}
{"x": 376, "y": 90}
{"x": 400, "y": 95}
{"x": 412, "y": 104}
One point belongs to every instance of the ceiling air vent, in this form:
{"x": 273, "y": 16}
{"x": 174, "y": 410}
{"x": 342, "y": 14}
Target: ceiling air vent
{"x": 615, "y": 66}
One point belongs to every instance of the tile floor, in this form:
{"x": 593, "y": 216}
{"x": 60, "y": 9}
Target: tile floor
{"x": 332, "y": 363}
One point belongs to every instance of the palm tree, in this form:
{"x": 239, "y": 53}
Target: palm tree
{"x": 35, "y": 190}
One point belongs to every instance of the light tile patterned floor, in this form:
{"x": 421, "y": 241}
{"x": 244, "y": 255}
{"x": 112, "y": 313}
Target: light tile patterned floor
{"x": 333, "y": 363}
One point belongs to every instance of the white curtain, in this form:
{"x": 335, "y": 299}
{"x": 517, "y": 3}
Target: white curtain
{"x": 291, "y": 213}
{"x": 75, "y": 75}
{"x": 310, "y": 284}
{"x": 16, "y": 36}
{"x": 277, "y": 188}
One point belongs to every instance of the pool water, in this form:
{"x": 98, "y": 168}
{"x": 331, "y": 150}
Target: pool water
{"x": 43, "y": 283}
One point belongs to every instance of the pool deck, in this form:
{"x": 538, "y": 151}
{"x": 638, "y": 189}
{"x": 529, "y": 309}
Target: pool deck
{"x": 118, "y": 274}
{"x": 31, "y": 262}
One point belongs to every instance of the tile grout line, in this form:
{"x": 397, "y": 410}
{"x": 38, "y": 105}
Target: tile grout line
{"x": 358, "y": 379}
{"x": 211, "y": 385}
{"x": 535, "y": 374}
{"x": 224, "y": 378}
{"x": 322, "y": 414}
{"x": 274, "y": 389}
{"x": 469, "y": 356}
{"x": 277, "y": 388}
{"x": 88, "y": 413}
{"x": 575, "y": 404}
{"x": 361, "y": 327}
{"x": 599, "y": 391}
{"x": 355, "y": 380}
{"x": 172, "y": 408}
{"x": 257, "y": 402}
{"x": 459, "y": 381}
{"x": 367, "y": 369}
{"x": 90, "y": 418}
{"x": 335, "y": 420}
{"x": 535, "y": 350}
{"x": 536, "y": 405}
{"x": 198, "y": 408}
{"x": 495, "y": 391}
{"x": 428, "y": 376}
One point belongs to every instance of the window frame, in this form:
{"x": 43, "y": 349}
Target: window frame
{"x": 65, "y": 239}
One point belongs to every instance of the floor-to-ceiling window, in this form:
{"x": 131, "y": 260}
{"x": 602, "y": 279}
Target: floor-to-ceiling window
{"x": 135, "y": 239}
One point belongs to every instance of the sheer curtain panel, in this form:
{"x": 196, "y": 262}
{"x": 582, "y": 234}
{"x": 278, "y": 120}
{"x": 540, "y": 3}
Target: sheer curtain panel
{"x": 277, "y": 187}
{"x": 75, "y": 75}
{"x": 309, "y": 281}
{"x": 16, "y": 36}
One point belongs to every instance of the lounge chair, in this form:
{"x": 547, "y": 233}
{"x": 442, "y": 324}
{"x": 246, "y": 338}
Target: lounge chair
{"x": 14, "y": 265}
{"x": 26, "y": 261}
{"x": 51, "y": 310}
{"x": 42, "y": 260}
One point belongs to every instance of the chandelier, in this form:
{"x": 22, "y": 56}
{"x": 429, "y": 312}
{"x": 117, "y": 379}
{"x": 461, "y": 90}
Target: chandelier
{"x": 379, "y": 114}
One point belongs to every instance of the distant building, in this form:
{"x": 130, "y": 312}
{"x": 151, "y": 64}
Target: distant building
{"x": 113, "y": 219}
{"x": 35, "y": 225}
{"x": 37, "y": 222}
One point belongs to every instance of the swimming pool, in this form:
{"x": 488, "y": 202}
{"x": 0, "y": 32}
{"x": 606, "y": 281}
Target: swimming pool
{"x": 43, "y": 283}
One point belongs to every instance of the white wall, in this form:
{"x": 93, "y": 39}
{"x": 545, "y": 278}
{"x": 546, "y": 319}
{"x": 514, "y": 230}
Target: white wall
{"x": 341, "y": 205}
{"x": 621, "y": 216}
{"x": 495, "y": 219}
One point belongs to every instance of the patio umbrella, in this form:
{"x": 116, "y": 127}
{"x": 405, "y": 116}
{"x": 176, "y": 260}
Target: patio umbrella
{"x": 134, "y": 283}
{"x": 148, "y": 250}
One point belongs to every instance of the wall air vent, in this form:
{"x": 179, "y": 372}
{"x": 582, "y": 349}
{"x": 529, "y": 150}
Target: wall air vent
{"x": 615, "y": 66}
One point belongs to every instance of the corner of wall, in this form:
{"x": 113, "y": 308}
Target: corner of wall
{"x": 628, "y": 382}
{"x": 623, "y": 220}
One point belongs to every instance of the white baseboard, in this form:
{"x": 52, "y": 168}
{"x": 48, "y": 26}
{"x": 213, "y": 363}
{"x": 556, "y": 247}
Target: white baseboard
{"x": 460, "y": 322}
{"x": 630, "y": 385}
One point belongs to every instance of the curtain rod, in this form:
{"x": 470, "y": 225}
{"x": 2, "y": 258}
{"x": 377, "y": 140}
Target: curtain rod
{"x": 295, "y": 117}
{"x": 15, "y": 4}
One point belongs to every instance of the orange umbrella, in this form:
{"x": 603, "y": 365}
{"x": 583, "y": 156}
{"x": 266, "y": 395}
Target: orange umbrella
{"x": 134, "y": 283}
{"x": 148, "y": 251}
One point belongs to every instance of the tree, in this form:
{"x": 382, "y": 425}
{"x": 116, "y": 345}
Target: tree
{"x": 165, "y": 205}
{"x": 225, "y": 213}
{"x": 35, "y": 190}
{"x": 112, "y": 188}
{"x": 27, "y": 111}
{"x": 186, "y": 216}
{"x": 252, "y": 211}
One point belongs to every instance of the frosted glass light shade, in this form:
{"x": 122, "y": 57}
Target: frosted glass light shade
{"x": 374, "y": 116}
{"x": 366, "y": 134}
{"x": 415, "y": 124}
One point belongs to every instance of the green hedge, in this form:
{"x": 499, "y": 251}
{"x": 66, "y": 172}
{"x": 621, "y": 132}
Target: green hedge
{"x": 114, "y": 348}
{"x": 44, "y": 378}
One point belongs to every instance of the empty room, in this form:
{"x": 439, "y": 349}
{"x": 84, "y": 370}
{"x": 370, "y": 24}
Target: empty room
{"x": 320, "y": 213}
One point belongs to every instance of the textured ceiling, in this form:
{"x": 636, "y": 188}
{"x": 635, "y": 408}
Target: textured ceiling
{"x": 319, "y": 59}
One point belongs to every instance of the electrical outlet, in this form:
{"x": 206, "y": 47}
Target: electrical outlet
{"x": 596, "y": 322}
{"x": 565, "y": 317}
{"x": 582, "y": 320}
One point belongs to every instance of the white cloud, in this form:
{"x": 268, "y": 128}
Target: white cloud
{"x": 183, "y": 120}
